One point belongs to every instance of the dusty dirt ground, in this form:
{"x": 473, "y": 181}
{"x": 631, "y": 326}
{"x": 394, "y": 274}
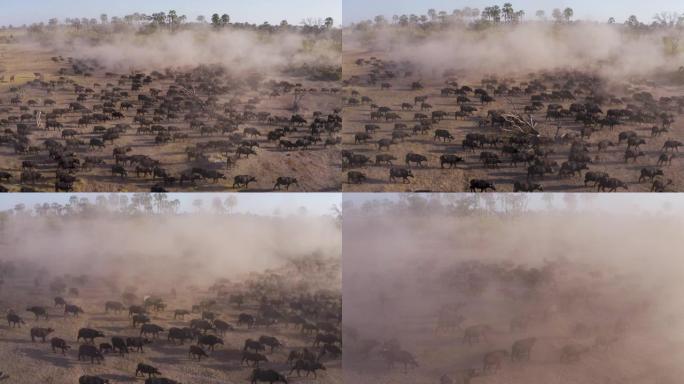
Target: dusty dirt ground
{"x": 25, "y": 361}
{"x": 437, "y": 272}
{"x": 431, "y": 177}
{"x": 314, "y": 168}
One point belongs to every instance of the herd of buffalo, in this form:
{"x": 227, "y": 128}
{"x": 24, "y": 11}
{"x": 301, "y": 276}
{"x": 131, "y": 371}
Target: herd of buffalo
{"x": 570, "y": 129}
{"x": 313, "y": 320}
{"x": 155, "y": 131}
{"x": 482, "y": 345}
{"x": 174, "y": 129}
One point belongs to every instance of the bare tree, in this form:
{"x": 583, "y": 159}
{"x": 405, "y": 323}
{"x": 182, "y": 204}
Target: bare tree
{"x": 230, "y": 202}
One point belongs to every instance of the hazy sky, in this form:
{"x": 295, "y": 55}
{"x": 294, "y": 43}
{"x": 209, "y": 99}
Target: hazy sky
{"x": 17, "y": 12}
{"x": 650, "y": 203}
{"x": 258, "y": 203}
{"x": 355, "y": 10}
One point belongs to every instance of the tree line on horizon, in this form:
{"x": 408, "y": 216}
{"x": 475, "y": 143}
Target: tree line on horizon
{"x": 507, "y": 14}
{"x": 173, "y": 21}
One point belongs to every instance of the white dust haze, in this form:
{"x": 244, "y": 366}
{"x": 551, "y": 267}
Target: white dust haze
{"x": 160, "y": 253}
{"x": 573, "y": 275}
{"x": 239, "y": 51}
{"x": 610, "y": 50}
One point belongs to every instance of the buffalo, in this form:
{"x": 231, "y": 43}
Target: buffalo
{"x": 267, "y": 375}
{"x": 90, "y": 351}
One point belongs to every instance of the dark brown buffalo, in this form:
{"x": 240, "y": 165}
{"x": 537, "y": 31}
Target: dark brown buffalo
{"x": 267, "y": 375}
{"x": 58, "y": 343}
{"x": 196, "y": 352}
{"x": 307, "y": 366}
{"x": 209, "y": 340}
{"x": 145, "y": 369}
{"x": 90, "y": 351}
{"x": 41, "y": 333}
{"x": 254, "y": 357}
{"x": 89, "y": 334}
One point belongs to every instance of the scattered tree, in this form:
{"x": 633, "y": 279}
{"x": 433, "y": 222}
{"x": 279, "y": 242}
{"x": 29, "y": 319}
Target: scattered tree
{"x": 567, "y": 14}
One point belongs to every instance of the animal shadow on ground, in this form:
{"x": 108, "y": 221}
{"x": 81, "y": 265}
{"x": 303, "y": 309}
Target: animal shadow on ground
{"x": 47, "y": 356}
{"x": 118, "y": 378}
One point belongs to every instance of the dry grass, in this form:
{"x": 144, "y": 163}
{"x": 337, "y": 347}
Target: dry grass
{"x": 315, "y": 168}
{"x": 25, "y": 361}
{"x": 599, "y": 283}
{"x": 433, "y": 178}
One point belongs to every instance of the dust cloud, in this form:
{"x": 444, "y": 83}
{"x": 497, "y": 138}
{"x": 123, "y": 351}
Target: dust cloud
{"x": 607, "y": 284}
{"x": 157, "y": 253}
{"x": 239, "y": 50}
{"x": 610, "y": 50}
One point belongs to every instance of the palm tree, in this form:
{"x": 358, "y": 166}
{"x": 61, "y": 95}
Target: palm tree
{"x": 123, "y": 201}
{"x": 432, "y": 13}
{"x": 197, "y": 203}
{"x": 38, "y": 209}
{"x": 160, "y": 200}
{"x": 19, "y": 208}
{"x": 519, "y": 16}
{"x": 172, "y": 19}
{"x": 568, "y": 13}
{"x": 216, "y": 20}
{"x": 467, "y": 12}
{"x": 231, "y": 202}
{"x": 225, "y": 19}
{"x": 487, "y": 13}
{"x": 57, "y": 208}
{"x": 83, "y": 204}
{"x": 217, "y": 205}
{"x": 632, "y": 21}
{"x": 173, "y": 206}
{"x": 159, "y": 18}
{"x": 496, "y": 14}
{"x": 101, "y": 201}
{"x": 142, "y": 200}
{"x": 508, "y": 12}
{"x": 337, "y": 214}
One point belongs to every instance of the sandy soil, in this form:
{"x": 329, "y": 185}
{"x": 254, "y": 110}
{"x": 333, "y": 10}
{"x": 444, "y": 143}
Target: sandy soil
{"x": 314, "y": 168}
{"x": 437, "y": 269}
{"x": 25, "y": 361}
{"x": 433, "y": 178}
